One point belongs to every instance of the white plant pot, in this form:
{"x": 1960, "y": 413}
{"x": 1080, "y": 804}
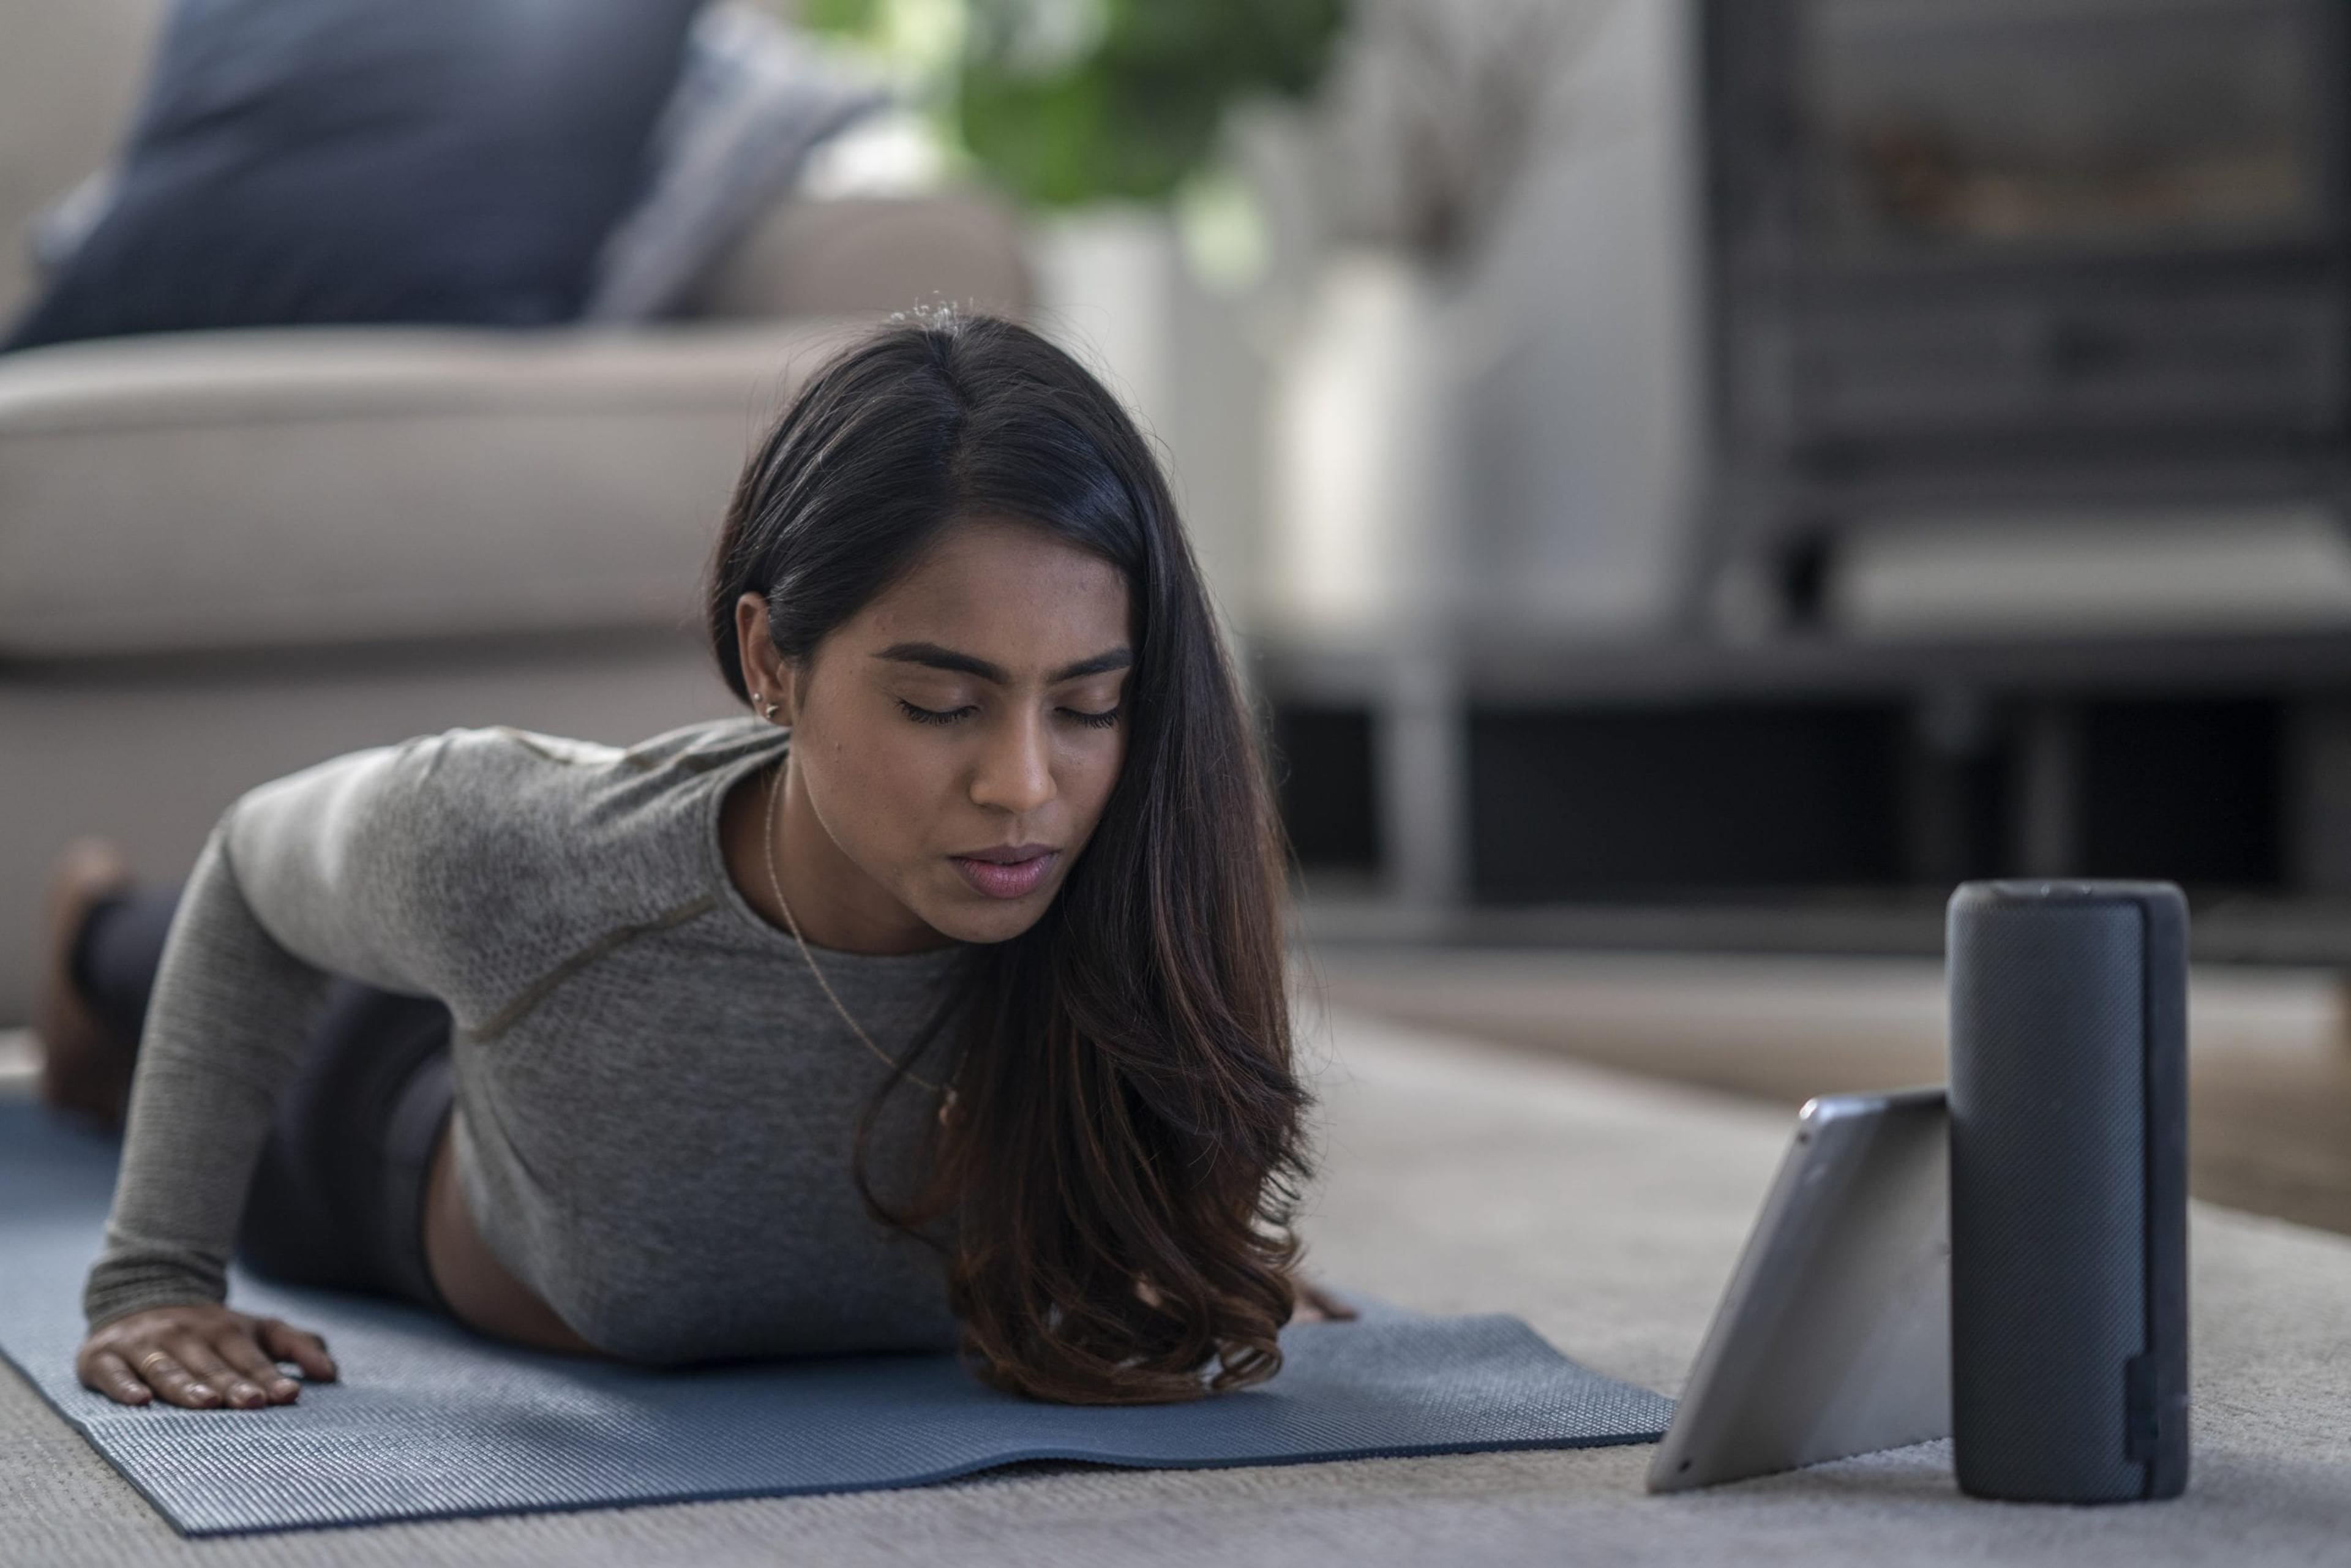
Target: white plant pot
{"x": 1365, "y": 512}
{"x": 1107, "y": 279}
{"x": 1114, "y": 289}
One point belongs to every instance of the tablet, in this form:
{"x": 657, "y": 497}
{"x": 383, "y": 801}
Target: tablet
{"x": 1834, "y": 1335}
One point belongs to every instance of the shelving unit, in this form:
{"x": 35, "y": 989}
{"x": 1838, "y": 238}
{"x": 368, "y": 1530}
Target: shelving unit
{"x": 1810, "y": 792}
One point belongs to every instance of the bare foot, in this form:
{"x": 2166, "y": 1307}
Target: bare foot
{"x": 85, "y": 1069}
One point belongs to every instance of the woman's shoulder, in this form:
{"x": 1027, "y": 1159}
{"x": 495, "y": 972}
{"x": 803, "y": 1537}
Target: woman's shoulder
{"x": 499, "y": 754}
{"x": 498, "y": 814}
{"x": 502, "y": 852}
{"x": 568, "y": 806}
{"x": 502, "y": 769}
{"x": 694, "y": 745}
{"x": 528, "y": 830}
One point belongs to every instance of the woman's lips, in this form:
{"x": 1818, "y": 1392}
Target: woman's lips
{"x": 1006, "y": 879}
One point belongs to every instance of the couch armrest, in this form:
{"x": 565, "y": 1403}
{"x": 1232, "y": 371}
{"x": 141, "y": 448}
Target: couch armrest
{"x": 866, "y": 253}
{"x": 309, "y": 487}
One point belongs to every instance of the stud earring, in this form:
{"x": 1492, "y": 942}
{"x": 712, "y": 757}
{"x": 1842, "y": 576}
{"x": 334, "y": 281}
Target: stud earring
{"x": 766, "y": 708}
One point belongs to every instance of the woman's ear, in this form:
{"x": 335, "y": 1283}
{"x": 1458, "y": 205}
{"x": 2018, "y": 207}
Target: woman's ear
{"x": 764, "y": 670}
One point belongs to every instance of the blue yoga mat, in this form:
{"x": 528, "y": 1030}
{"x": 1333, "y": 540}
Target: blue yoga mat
{"x": 432, "y": 1421}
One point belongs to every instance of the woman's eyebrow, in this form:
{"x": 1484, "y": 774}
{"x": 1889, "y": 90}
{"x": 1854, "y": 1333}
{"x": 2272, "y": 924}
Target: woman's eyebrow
{"x": 937, "y": 658}
{"x": 1115, "y": 659}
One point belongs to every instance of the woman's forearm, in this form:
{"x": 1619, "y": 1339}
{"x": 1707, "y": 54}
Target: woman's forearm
{"x": 228, "y": 1018}
{"x": 305, "y": 878}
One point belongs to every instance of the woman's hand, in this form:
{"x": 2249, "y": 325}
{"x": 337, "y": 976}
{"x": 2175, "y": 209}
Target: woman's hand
{"x": 201, "y": 1355}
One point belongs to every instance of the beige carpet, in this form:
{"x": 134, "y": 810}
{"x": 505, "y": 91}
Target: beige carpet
{"x": 1604, "y": 1211}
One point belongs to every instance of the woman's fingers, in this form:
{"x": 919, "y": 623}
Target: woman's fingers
{"x": 112, "y": 1376}
{"x": 237, "y": 1348}
{"x": 174, "y": 1382}
{"x": 1324, "y": 1302}
{"x": 196, "y": 1354}
{"x": 283, "y": 1342}
{"x": 200, "y": 1355}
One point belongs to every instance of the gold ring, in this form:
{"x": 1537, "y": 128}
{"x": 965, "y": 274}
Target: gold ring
{"x": 147, "y": 1362}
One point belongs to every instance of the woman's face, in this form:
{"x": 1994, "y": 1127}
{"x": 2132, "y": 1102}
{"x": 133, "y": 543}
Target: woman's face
{"x": 953, "y": 742}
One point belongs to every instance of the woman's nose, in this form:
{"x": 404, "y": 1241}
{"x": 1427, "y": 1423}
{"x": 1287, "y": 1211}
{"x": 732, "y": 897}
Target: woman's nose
{"x": 1016, "y": 767}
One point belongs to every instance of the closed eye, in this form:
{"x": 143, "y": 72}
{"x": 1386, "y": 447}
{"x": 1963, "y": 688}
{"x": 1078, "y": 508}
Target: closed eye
{"x": 1103, "y": 720}
{"x": 936, "y": 716}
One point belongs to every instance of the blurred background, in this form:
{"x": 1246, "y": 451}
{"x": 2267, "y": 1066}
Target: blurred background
{"x": 1687, "y": 481}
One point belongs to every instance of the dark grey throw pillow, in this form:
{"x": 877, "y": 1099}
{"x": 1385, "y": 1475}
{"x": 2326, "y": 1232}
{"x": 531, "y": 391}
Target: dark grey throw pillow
{"x": 371, "y": 160}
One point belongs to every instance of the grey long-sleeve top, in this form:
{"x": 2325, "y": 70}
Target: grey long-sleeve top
{"x": 654, "y": 1102}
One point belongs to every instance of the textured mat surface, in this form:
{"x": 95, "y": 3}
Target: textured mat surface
{"x": 430, "y": 1421}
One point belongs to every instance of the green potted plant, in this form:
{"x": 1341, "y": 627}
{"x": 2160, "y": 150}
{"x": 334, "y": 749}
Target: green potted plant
{"x": 1069, "y": 103}
{"x": 1105, "y": 119}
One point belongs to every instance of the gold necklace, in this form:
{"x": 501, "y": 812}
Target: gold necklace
{"x": 775, "y": 798}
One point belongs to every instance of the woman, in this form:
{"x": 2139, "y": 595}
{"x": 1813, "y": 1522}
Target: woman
{"x": 939, "y": 1002}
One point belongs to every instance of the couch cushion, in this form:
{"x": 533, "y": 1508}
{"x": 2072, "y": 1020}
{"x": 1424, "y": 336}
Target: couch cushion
{"x": 309, "y": 161}
{"x": 309, "y": 487}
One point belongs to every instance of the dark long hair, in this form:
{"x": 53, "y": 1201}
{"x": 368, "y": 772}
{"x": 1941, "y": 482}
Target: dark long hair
{"x": 1126, "y": 1154}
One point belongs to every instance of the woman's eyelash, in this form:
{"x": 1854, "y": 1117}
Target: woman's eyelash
{"x": 1103, "y": 720}
{"x": 932, "y": 716}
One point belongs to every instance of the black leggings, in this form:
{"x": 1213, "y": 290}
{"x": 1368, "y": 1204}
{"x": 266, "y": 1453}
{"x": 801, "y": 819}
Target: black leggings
{"x": 338, "y": 1199}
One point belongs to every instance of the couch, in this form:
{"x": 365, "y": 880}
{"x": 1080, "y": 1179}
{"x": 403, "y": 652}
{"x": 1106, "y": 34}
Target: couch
{"x": 225, "y": 555}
